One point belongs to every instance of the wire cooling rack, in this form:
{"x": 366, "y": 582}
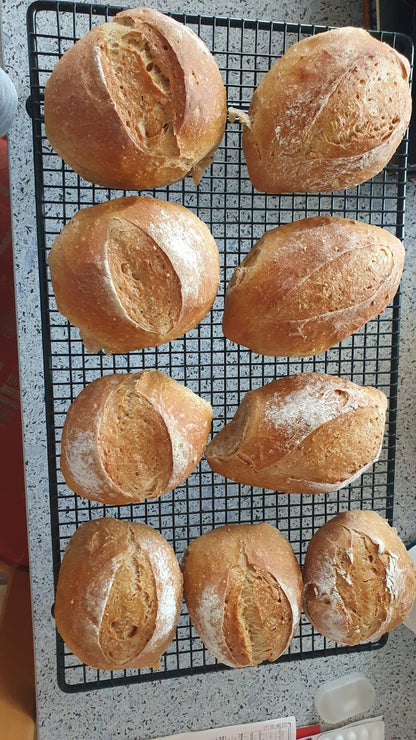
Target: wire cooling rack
{"x": 203, "y": 359}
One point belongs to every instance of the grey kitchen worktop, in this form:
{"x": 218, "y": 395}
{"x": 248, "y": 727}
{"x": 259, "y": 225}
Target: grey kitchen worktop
{"x": 170, "y": 706}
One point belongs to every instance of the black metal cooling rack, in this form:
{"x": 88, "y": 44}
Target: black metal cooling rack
{"x": 203, "y": 359}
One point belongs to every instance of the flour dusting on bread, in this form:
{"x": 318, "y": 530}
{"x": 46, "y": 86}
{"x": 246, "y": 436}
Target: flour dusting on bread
{"x": 210, "y": 617}
{"x": 394, "y": 576}
{"x": 78, "y": 458}
{"x": 307, "y": 408}
{"x": 167, "y": 587}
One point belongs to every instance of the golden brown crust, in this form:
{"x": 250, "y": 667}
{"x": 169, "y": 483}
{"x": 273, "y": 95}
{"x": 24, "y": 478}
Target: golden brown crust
{"x": 119, "y": 594}
{"x": 243, "y": 590}
{"x": 306, "y": 433}
{"x": 359, "y": 579}
{"x": 128, "y": 437}
{"x": 309, "y": 284}
{"x": 136, "y": 103}
{"x": 134, "y": 272}
{"x": 328, "y": 115}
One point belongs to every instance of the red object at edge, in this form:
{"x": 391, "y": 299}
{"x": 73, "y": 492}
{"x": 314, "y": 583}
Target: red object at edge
{"x": 307, "y": 731}
{"x": 13, "y": 535}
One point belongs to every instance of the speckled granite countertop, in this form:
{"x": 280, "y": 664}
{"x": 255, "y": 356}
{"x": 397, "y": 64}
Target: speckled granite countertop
{"x": 176, "y": 705}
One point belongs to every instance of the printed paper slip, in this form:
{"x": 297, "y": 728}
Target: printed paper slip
{"x": 273, "y": 729}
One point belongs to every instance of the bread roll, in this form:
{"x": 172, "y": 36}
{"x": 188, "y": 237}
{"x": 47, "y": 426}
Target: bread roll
{"x": 309, "y": 284}
{"x": 359, "y": 578}
{"x": 128, "y": 437}
{"x": 134, "y": 273}
{"x": 243, "y": 590}
{"x": 328, "y": 115}
{"x": 306, "y": 433}
{"x": 119, "y": 595}
{"x": 137, "y": 103}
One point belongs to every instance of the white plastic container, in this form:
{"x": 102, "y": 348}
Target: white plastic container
{"x": 372, "y": 730}
{"x": 411, "y": 619}
{"x": 8, "y": 102}
{"x": 344, "y": 697}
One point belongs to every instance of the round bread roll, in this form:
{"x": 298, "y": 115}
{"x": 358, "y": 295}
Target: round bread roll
{"x": 309, "y": 284}
{"x": 328, "y": 115}
{"x": 119, "y": 595}
{"x": 134, "y": 272}
{"x": 243, "y": 590}
{"x": 306, "y": 433}
{"x": 137, "y": 103}
{"x": 359, "y": 578}
{"x": 130, "y": 437}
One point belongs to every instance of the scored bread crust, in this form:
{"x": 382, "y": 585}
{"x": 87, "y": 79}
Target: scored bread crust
{"x": 134, "y": 272}
{"x": 305, "y": 433}
{"x": 117, "y": 580}
{"x": 137, "y": 103}
{"x": 307, "y": 285}
{"x": 328, "y": 115}
{"x": 243, "y": 590}
{"x": 358, "y": 577}
{"x": 127, "y": 437}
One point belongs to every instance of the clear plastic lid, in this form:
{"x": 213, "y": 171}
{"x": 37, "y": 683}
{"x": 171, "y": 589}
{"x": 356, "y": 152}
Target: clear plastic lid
{"x": 344, "y": 697}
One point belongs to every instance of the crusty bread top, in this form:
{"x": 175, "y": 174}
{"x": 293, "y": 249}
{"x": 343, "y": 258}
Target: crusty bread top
{"x": 329, "y": 114}
{"x": 359, "y": 579}
{"x": 243, "y": 589}
{"x": 307, "y": 285}
{"x": 136, "y": 103}
{"x": 118, "y": 595}
{"x": 303, "y": 433}
{"x": 134, "y": 272}
{"x": 128, "y": 437}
